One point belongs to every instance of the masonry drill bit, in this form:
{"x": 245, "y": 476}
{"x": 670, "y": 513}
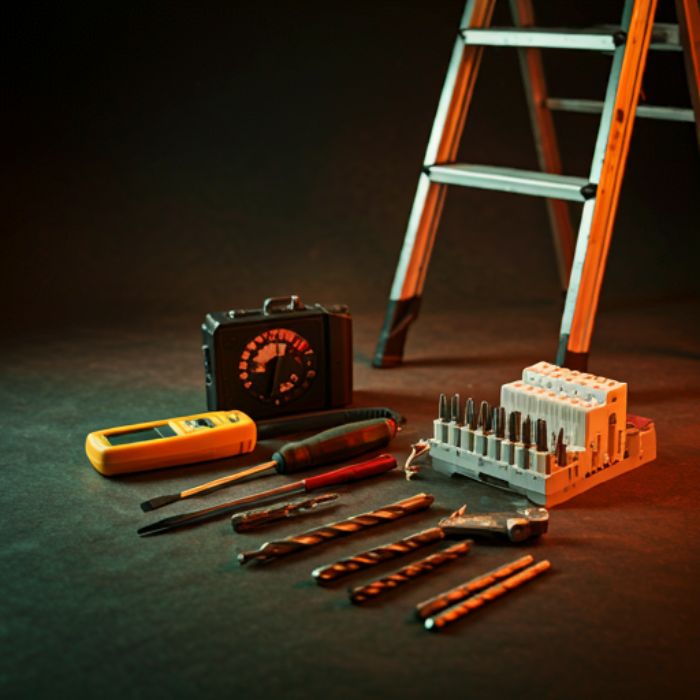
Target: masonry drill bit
{"x": 428, "y": 564}
{"x": 342, "y": 528}
{"x": 437, "y": 622}
{"x": 260, "y": 517}
{"x": 433, "y": 605}
{"x": 372, "y": 557}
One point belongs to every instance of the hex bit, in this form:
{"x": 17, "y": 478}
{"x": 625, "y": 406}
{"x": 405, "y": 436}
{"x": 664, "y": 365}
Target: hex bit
{"x": 342, "y": 528}
{"x": 437, "y": 622}
{"x": 372, "y": 557}
{"x": 428, "y": 564}
{"x": 444, "y": 600}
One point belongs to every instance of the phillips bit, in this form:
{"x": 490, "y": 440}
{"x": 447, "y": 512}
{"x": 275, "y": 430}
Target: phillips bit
{"x": 442, "y": 408}
{"x": 469, "y": 417}
{"x": 514, "y": 426}
{"x": 342, "y": 528}
{"x": 542, "y": 435}
{"x": 437, "y": 622}
{"x": 260, "y": 517}
{"x": 560, "y": 450}
{"x": 483, "y": 419}
{"x": 372, "y": 557}
{"x": 455, "y": 409}
{"x": 501, "y": 430}
{"x": 527, "y": 432}
{"x": 428, "y": 564}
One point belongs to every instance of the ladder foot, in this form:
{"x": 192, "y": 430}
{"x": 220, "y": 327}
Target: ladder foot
{"x": 576, "y": 360}
{"x": 400, "y": 314}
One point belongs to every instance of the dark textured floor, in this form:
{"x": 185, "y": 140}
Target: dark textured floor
{"x": 89, "y": 609}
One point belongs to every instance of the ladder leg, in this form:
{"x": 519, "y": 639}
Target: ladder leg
{"x": 688, "y": 13}
{"x": 545, "y": 140}
{"x": 607, "y": 171}
{"x": 409, "y": 279}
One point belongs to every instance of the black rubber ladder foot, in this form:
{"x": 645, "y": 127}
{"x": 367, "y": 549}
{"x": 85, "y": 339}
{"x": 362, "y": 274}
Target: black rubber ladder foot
{"x": 400, "y": 314}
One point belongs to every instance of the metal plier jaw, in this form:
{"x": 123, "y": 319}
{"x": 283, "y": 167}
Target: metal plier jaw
{"x": 517, "y": 525}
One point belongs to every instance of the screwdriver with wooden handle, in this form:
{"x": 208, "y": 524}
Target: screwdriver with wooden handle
{"x": 334, "y": 445}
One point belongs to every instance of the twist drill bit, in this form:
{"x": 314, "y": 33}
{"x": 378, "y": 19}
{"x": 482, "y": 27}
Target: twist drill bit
{"x": 311, "y": 538}
{"x": 444, "y": 600}
{"x": 372, "y": 557}
{"x": 372, "y": 590}
{"x": 437, "y": 622}
{"x": 260, "y": 517}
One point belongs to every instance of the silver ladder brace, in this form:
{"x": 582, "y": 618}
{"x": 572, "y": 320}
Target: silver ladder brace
{"x": 581, "y": 260}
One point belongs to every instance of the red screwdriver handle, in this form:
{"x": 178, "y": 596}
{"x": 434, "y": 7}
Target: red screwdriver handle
{"x": 335, "y": 445}
{"x": 361, "y": 470}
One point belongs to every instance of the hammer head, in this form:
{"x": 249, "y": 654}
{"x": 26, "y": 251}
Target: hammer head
{"x": 517, "y": 525}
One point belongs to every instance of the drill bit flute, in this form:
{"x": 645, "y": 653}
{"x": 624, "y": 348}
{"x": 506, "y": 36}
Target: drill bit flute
{"x": 372, "y": 590}
{"x": 342, "y": 528}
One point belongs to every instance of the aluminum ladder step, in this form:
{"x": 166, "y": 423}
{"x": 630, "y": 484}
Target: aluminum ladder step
{"x": 594, "y": 39}
{"x": 532, "y": 182}
{"x": 671, "y": 114}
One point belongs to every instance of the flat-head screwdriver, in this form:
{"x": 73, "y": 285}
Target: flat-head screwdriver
{"x": 334, "y": 445}
{"x": 362, "y": 470}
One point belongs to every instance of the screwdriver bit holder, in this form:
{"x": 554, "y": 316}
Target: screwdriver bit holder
{"x": 556, "y": 434}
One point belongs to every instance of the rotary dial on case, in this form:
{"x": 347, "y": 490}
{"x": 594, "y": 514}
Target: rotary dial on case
{"x": 277, "y": 366}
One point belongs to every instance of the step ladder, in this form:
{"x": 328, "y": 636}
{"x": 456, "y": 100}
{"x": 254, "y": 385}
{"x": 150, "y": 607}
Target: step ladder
{"x": 581, "y": 260}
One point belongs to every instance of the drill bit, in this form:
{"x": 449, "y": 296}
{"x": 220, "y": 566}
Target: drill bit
{"x": 260, "y": 517}
{"x": 372, "y": 557}
{"x": 311, "y": 538}
{"x": 437, "y": 622}
{"x": 372, "y": 590}
{"x": 444, "y": 600}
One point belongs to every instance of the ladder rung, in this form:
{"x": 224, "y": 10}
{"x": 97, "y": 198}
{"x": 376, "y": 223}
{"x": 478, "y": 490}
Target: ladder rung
{"x": 672, "y": 114}
{"x": 538, "y": 184}
{"x": 664, "y": 36}
{"x": 596, "y": 39}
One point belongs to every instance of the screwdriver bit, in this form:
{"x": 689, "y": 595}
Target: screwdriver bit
{"x": 455, "y": 409}
{"x": 442, "y": 407}
{"x": 372, "y": 557}
{"x": 527, "y": 432}
{"x": 541, "y": 435}
{"x": 514, "y": 426}
{"x": 483, "y": 419}
{"x": 342, "y": 528}
{"x": 374, "y": 589}
{"x": 469, "y": 418}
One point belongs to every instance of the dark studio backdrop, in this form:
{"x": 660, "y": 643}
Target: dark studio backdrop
{"x": 162, "y": 160}
{"x": 190, "y": 157}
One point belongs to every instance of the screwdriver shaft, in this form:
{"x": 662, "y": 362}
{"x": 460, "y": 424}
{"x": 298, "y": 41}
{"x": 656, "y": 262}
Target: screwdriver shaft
{"x": 226, "y": 480}
{"x": 342, "y": 528}
{"x": 372, "y": 590}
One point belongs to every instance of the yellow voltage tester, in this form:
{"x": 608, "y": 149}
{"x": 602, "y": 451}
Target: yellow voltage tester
{"x": 167, "y": 443}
